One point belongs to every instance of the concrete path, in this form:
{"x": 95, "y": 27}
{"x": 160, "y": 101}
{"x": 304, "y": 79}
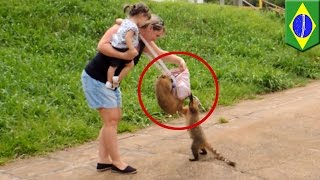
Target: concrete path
{"x": 276, "y": 136}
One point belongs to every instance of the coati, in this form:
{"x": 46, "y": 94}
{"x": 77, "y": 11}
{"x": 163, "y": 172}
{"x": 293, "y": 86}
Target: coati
{"x": 199, "y": 142}
{"x": 164, "y": 92}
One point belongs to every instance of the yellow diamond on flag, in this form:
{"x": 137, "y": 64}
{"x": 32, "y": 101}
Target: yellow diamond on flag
{"x": 302, "y": 25}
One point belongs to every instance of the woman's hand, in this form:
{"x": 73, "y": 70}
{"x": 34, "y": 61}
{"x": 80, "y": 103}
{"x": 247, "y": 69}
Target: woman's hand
{"x": 182, "y": 65}
{"x": 119, "y": 21}
{"x": 132, "y": 53}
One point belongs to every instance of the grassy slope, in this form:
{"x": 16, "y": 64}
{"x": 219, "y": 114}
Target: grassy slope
{"x": 46, "y": 44}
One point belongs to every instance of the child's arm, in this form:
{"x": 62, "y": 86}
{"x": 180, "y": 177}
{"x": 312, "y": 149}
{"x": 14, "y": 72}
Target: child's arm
{"x": 105, "y": 47}
{"x": 129, "y": 38}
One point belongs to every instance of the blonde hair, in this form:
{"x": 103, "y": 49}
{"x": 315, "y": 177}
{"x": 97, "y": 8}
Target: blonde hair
{"x": 156, "y": 22}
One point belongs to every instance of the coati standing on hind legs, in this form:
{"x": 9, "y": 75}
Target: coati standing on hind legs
{"x": 199, "y": 141}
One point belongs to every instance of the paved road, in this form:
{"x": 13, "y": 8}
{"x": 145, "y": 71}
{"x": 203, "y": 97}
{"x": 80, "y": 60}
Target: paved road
{"x": 276, "y": 136}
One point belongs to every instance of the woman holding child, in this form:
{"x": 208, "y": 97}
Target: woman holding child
{"x": 107, "y": 100}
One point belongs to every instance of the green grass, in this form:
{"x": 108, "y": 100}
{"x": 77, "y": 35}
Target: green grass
{"x": 44, "y": 46}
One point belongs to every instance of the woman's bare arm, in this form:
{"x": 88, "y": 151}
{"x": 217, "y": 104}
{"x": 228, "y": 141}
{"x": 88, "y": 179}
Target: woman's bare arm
{"x": 169, "y": 59}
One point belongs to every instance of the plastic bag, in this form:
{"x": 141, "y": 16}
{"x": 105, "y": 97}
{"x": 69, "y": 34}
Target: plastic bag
{"x": 182, "y": 87}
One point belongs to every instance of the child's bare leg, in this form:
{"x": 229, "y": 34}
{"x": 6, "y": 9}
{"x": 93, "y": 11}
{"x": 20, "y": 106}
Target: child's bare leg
{"x": 110, "y": 74}
{"x": 124, "y": 72}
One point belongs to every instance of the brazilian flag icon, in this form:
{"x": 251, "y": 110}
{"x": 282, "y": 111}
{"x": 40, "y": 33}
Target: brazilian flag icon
{"x": 302, "y": 23}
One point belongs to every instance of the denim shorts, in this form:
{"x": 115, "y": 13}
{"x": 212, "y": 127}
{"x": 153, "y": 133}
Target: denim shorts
{"x": 97, "y": 95}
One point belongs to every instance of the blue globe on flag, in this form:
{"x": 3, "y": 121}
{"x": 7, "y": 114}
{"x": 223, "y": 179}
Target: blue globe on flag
{"x": 302, "y": 25}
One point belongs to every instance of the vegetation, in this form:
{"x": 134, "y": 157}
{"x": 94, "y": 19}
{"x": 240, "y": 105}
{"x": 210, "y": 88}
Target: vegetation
{"x": 44, "y": 46}
{"x": 222, "y": 120}
{"x": 280, "y": 3}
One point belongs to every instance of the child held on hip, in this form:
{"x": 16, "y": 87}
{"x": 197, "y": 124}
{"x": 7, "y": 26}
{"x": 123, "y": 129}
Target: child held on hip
{"x": 127, "y": 39}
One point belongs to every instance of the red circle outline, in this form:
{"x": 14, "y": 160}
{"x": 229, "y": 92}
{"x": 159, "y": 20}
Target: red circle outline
{"x": 188, "y": 54}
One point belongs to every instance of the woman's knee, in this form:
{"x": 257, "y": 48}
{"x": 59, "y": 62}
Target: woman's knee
{"x": 110, "y": 117}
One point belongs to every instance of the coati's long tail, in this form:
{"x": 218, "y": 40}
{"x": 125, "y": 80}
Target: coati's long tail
{"x": 220, "y": 157}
